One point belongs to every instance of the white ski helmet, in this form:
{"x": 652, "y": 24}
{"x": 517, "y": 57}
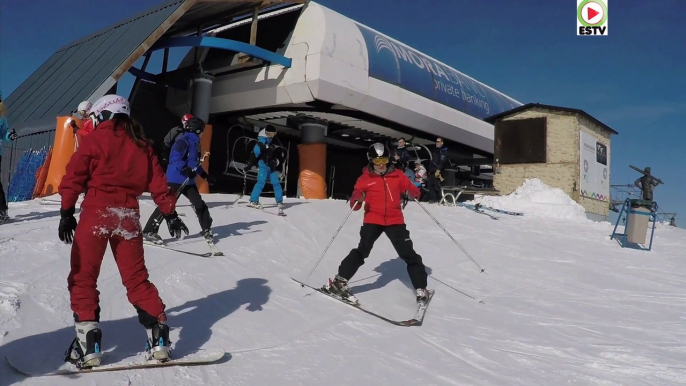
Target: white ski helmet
{"x": 84, "y": 108}
{"x": 106, "y": 107}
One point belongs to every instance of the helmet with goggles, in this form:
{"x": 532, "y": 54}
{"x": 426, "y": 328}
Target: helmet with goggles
{"x": 378, "y": 154}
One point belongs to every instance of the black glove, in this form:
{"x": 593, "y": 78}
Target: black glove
{"x": 273, "y": 164}
{"x": 187, "y": 172}
{"x": 210, "y": 179}
{"x": 175, "y": 225}
{"x": 74, "y": 127}
{"x": 13, "y": 135}
{"x": 67, "y": 225}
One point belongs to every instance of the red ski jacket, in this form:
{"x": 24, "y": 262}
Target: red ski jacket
{"x": 114, "y": 171}
{"x": 382, "y": 196}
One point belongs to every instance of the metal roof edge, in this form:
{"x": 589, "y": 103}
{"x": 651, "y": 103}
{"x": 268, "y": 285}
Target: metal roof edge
{"x": 121, "y": 23}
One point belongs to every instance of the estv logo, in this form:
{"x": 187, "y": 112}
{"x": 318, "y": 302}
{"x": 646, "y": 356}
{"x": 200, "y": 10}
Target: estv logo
{"x": 591, "y": 17}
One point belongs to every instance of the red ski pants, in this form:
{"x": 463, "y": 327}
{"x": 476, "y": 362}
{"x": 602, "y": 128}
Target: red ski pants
{"x": 122, "y": 228}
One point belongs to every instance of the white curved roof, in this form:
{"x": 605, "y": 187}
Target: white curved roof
{"x": 340, "y": 61}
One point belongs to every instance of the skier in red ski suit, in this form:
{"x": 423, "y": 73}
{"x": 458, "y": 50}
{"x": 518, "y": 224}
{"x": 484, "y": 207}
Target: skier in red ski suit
{"x": 113, "y": 165}
{"x": 380, "y": 187}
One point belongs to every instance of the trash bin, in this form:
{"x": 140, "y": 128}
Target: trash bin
{"x": 639, "y": 217}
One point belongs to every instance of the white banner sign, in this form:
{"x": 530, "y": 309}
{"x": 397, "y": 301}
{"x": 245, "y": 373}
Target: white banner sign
{"x": 595, "y": 172}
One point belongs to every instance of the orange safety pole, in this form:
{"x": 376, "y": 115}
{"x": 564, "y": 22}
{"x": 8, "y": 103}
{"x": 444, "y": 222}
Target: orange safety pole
{"x": 62, "y": 151}
{"x": 205, "y": 144}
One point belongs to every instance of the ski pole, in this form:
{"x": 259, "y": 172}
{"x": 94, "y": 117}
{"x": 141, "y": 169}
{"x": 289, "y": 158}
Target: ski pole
{"x": 245, "y": 176}
{"x": 455, "y": 289}
{"x": 449, "y": 235}
{"x": 331, "y": 242}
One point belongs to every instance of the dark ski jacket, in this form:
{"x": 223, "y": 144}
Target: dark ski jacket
{"x": 438, "y": 160}
{"x": 404, "y": 159}
{"x": 171, "y": 136}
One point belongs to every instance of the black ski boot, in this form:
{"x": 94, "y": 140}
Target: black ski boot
{"x": 84, "y": 351}
{"x": 158, "y": 344}
{"x": 339, "y": 286}
{"x": 152, "y": 238}
{"x": 207, "y": 235}
{"x": 422, "y": 295}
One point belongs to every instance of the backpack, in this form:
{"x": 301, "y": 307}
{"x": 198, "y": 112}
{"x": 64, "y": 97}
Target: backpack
{"x": 254, "y": 159}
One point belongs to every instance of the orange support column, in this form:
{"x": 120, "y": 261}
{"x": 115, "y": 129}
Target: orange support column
{"x": 62, "y": 151}
{"x": 312, "y": 152}
{"x": 205, "y": 144}
{"x": 313, "y": 170}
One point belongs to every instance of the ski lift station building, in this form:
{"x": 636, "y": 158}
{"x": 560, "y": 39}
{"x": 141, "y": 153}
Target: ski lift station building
{"x": 331, "y": 87}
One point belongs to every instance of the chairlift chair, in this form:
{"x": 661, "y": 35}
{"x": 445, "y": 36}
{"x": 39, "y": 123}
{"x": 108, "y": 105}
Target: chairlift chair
{"x": 241, "y": 149}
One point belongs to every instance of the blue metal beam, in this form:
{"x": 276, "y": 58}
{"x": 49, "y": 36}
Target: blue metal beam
{"x": 223, "y": 44}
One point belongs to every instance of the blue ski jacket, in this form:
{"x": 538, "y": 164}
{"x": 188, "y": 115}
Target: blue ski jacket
{"x": 4, "y": 131}
{"x": 185, "y": 152}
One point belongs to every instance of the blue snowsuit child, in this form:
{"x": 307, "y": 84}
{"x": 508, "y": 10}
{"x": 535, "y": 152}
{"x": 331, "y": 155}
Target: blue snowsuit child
{"x": 266, "y": 168}
{"x": 184, "y": 163}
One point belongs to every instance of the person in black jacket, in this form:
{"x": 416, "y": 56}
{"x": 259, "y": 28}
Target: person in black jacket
{"x": 401, "y": 159}
{"x": 401, "y": 156}
{"x": 436, "y": 166}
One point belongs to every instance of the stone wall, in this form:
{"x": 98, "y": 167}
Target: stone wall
{"x": 562, "y": 155}
{"x": 562, "y": 167}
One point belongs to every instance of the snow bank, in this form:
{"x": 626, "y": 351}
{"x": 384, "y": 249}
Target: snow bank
{"x": 535, "y": 198}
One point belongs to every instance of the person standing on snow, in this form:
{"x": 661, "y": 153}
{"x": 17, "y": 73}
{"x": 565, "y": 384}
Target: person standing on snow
{"x": 380, "y": 187}
{"x": 114, "y": 165}
{"x": 268, "y": 161}
{"x": 5, "y": 135}
{"x": 436, "y": 166}
{"x": 184, "y": 164}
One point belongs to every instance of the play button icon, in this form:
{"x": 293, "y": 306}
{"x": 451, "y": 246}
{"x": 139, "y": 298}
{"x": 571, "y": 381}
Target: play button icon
{"x": 593, "y": 13}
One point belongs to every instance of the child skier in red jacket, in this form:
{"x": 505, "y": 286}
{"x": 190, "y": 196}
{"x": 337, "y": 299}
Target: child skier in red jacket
{"x": 113, "y": 166}
{"x": 380, "y": 187}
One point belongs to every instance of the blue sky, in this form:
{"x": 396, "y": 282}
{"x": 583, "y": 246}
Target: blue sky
{"x": 633, "y": 80}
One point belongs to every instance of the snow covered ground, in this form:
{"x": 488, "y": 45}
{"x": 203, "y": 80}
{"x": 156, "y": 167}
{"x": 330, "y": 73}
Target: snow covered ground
{"x": 562, "y": 303}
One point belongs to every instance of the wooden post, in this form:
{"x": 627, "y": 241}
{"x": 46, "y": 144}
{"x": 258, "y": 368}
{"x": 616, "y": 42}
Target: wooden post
{"x": 253, "y": 26}
{"x": 205, "y": 144}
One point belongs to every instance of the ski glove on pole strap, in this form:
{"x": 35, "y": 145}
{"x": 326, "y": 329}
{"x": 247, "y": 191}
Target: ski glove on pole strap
{"x": 67, "y": 225}
{"x": 357, "y": 197}
{"x": 187, "y": 172}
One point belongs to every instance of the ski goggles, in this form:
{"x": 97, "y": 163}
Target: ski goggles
{"x": 380, "y": 161}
